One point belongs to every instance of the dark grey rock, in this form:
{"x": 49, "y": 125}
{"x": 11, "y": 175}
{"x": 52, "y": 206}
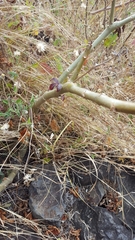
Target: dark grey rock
{"x": 46, "y": 196}
{"x": 49, "y": 200}
{"x": 126, "y": 186}
{"x": 110, "y": 227}
{"x": 99, "y": 223}
{"x": 123, "y": 182}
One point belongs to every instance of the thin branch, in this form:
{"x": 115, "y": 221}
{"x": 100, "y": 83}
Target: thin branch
{"x": 101, "y": 37}
{"x": 81, "y": 63}
{"x": 86, "y": 19}
{"x": 111, "y": 28}
{"x": 112, "y": 12}
{"x": 102, "y": 99}
{"x": 99, "y": 98}
{"x": 104, "y": 21}
{"x": 71, "y": 68}
{"x": 94, "y": 67}
{"x": 132, "y": 30}
{"x": 8, "y": 180}
{"x": 108, "y": 8}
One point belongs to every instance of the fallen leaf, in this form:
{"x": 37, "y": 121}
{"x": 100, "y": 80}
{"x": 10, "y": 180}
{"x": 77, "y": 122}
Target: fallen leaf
{"x": 53, "y": 230}
{"x": 64, "y": 217}
{"x": 11, "y": 123}
{"x": 2, "y": 214}
{"x": 24, "y": 134}
{"x": 108, "y": 140}
{"x": 28, "y": 215}
{"x": 54, "y": 125}
{"x": 23, "y": 120}
{"x": 10, "y": 220}
{"x": 74, "y": 192}
{"x": 45, "y": 68}
{"x": 75, "y": 233}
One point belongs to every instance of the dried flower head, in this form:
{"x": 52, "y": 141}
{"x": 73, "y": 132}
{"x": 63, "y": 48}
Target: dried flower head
{"x": 41, "y": 47}
{"x": 83, "y": 5}
{"x": 17, "y": 84}
{"x": 17, "y": 53}
{"x": 5, "y": 127}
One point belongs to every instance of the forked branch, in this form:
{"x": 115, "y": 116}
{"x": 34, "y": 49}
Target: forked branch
{"x": 101, "y": 99}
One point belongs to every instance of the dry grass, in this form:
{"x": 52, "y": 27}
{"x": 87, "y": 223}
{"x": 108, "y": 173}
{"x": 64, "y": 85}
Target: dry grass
{"x": 76, "y": 123}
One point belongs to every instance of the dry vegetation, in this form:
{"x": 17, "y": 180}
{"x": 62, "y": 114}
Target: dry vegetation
{"x": 62, "y": 128}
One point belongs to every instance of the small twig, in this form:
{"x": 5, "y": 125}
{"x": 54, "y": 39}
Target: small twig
{"x": 95, "y": 4}
{"x": 60, "y": 135}
{"x": 112, "y": 12}
{"x": 101, "y": 99}
{"x": 86, "y": 20}
{"x": 99, "y": 39}
{"x": 80, "y": 59}
{"x": 80, "y": 64}
{"x": 104, "y": 21}
{"x": 110, "y": 29}
{"x": 20, "y": 140}
{"x": 8, "y": 180}
{"x": 30, "y": 140}
{"x": 129, "y": 35}
{"x": 70, "y": 69}
{"x": 92, "y": 68}
{"x": 108, "y": 8}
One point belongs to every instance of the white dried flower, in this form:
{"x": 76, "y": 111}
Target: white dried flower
{"x": 41, "y": 47}
{"x": 116, "y": 84}
{"x": 76, "y": 53}
{"x": 5, "y": 126}
{"x": 125, "y": 150}
{"x": 27, "y": 176}
{"x": 2, "y": 76}
{"x": 52, "y": 135}
{"x": 27, "y": 179}
{"x": 17, "y": 84}
{"x": 25, "y": 112}
{"x": 17, "y": 53}
{"x": 33, "y": 170}
{"x": 83, "y": 5}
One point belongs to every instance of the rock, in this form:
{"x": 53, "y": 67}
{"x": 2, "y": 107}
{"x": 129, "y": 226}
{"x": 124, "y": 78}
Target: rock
{"x": 98, "y": 223}
{"x": 108, "y": 179}
{"x": 126, "y": 186}
{"x": 46, "y": 196}
{"x": 50, "y": 200}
